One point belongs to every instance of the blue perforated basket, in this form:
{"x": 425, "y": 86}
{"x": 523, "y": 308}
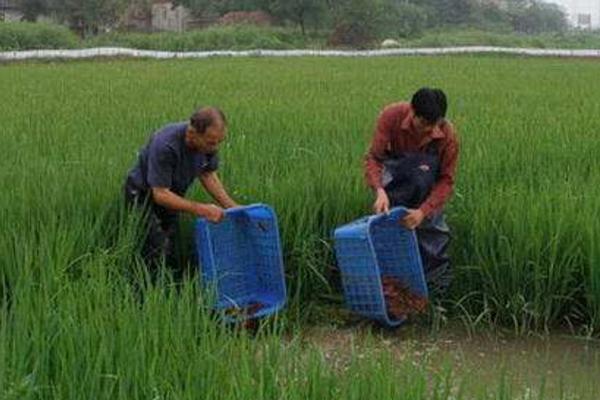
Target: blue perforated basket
{"x": 240, "y": 260}
{"x": 371, "y": 247}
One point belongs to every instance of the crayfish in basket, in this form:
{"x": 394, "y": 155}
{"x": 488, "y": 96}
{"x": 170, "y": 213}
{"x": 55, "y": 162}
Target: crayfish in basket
{"x": 400, "y": 301}
{"x": 244, "y": 314}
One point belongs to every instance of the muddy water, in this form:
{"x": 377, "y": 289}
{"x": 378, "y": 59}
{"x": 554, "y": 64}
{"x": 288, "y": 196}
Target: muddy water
{"x": 556, "y": 364}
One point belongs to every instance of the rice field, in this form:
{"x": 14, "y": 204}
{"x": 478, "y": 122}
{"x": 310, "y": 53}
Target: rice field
{"x": 76, "y": 322}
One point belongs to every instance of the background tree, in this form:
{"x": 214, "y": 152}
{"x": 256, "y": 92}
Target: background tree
{"x": 32, "y": 9}
{"x": 449, "y": 12}
{"x": 88, "y": 17}
{"x": 300, "y": 12}
{"x": 400, "y": 18}
{"x": 536, "y": 17}
{"x": 354, "y": 22}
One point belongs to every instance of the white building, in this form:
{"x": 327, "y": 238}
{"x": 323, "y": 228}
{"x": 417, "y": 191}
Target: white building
{"x": 167, "y": 17}
{"x": 582, "y": 14}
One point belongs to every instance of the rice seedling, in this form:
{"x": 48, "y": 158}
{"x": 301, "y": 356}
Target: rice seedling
{"x": 78, "y": 318}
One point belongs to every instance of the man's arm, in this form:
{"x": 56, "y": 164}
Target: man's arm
{"x": 377, "y": 152}
{"x": 213, "y": 185}
{"x": 166, "y": 198}
{"x": 161, "y": 164}
{"x": 379, "y": 145}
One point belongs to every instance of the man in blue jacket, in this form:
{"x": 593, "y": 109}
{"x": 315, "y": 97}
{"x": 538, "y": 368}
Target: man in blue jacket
{"x": 166, "y": 167}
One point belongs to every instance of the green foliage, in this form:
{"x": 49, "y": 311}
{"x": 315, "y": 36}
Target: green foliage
{"x": 351, "y": 23}
{"x": 216, "y": 38}
{"x": 487, "y": 16}
{"x": 300, "y": 12}
{"x": 355, "y": 23}
{"x": 24, "y": 36}
{"x": 400, "y": 19}
{"x": 449, "y": 12}
{"x": 28, "y": 36}
{"x": 31, "y": 9}
{"x": 88, "y": 17}
{"x": 539, "y": 17}
{"x": 474, "y": 37}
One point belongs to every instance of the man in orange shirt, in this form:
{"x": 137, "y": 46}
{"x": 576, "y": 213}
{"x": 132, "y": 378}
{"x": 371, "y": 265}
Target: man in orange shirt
{"x": 412, "y": 162}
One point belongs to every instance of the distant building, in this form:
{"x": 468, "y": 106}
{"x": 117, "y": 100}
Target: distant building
{"x": 163, "y": 15}
{"x": 9, "y": 11}
{"x": 167, "y": 17}
{"x": 137, "y": 18}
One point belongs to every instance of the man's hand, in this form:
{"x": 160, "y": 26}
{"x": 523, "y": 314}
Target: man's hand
{"x": 209, "y": 211}
{"x": 412, "y": 219}
{"x": 382, "y": 203}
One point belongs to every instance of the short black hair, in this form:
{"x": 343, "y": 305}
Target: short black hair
{"x": 205, "y": 117}
{"x": 430, "y": 104}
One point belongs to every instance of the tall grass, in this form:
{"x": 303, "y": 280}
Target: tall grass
{"x": 474, "y": 37}
{"x": 214, "y": 38}
{"x": 31, "y": 36}
{"x": 75, "y": 319}
{"x": 525, "y": 197}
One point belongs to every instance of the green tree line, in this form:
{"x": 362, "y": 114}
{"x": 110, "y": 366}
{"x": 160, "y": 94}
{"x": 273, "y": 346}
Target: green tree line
{"x": 352, "y": 22}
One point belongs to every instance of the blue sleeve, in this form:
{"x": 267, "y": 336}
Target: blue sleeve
{"x": 161, "y": 164}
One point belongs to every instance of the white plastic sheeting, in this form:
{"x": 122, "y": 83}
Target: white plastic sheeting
{"x": 124, "y": 52}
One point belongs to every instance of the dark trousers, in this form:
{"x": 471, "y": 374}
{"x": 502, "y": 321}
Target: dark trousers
{"x": 160, "y": 228}
{"x": 434, "y": 239}
{"x": 408, "y": 184}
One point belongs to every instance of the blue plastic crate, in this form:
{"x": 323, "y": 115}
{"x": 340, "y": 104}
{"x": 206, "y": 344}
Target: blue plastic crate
{"x": 371, "y": 247}
{"x": 240, "y": 259}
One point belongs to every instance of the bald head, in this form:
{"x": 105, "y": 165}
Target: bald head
{"x": 208, "y": 117}
{"x": 206, "y": 130}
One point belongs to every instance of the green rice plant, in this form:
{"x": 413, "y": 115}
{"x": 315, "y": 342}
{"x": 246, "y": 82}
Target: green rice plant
{"x": 297, "y": 141}
{"x": 79, "y": 318}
